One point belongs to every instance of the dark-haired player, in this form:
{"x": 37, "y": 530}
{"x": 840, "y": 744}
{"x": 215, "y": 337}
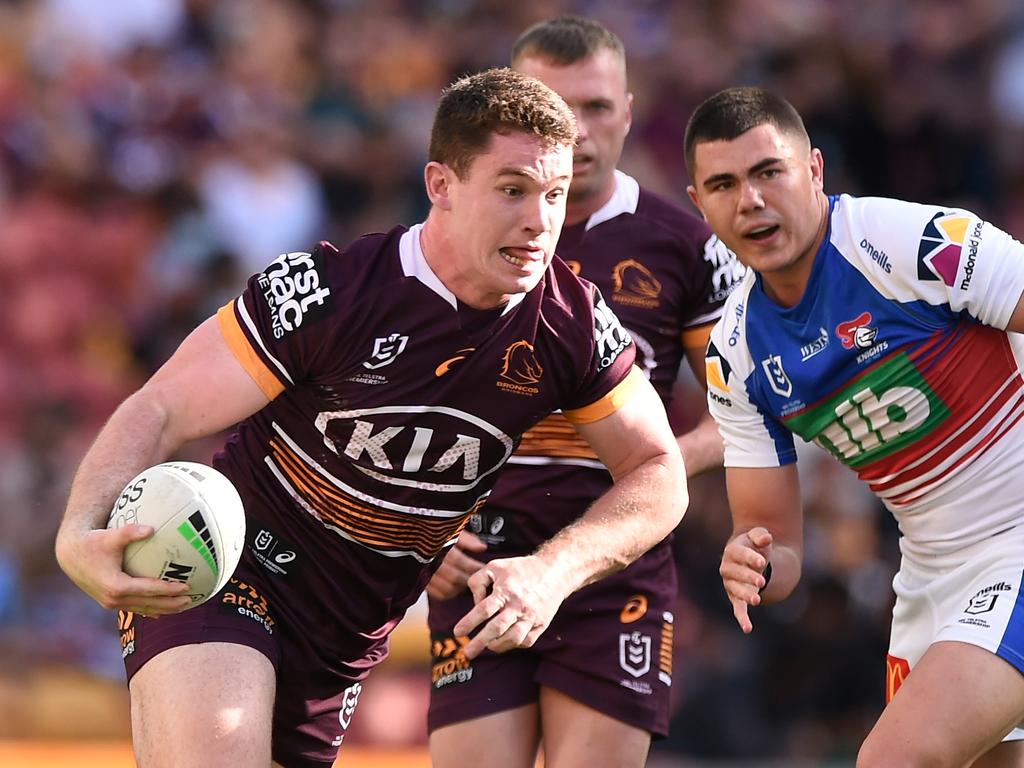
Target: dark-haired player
{"x": 888, "y": 333}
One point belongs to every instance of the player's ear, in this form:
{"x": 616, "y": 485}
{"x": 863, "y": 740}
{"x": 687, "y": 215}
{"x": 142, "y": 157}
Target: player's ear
{"x": 438, "y": 179}
{"x": 818, "y": 168}
{"x": 692, "y": 192}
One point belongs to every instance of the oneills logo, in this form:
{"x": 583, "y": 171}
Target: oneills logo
{"x": 896, "y": 671}
{"x": 634, "y": 285}
{"x": 634, "y": 609}
{"x": 521, "y": 369}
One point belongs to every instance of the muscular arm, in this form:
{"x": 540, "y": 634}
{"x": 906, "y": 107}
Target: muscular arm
{"x": 201, "y": 390}
{"x": 702, "y": 446}
{"x": 517, "y": 597}
{"x": 646, "y": 502}
{"x": 767, "y": 527}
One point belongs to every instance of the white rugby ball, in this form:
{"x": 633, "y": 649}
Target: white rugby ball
{"x": 198, "y": 523}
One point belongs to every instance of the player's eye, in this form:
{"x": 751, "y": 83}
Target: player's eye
{"x": 511, "y": 191}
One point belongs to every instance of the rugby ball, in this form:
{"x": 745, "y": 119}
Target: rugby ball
{"x": 198, "y": 526}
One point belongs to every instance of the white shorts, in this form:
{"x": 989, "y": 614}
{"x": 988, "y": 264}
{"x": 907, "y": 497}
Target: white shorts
{"x": 972, "y": 596}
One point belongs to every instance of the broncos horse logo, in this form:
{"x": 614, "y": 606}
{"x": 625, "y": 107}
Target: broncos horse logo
{"x": 520, "y": 364}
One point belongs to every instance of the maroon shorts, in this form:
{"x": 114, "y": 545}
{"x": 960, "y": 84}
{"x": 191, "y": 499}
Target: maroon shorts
{"x": 609, "y": 647}
{"x": 314, "y": 701}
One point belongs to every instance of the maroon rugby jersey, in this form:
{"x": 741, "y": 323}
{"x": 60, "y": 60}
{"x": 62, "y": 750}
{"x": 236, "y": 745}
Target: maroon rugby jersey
{"x": 666, "y": 276}
{"x": 391, "y": 412}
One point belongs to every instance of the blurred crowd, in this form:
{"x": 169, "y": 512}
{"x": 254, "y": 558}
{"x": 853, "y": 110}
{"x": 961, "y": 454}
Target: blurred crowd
{"x": 154, "y": 153}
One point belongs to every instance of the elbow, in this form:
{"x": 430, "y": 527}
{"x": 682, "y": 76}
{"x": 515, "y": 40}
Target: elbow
{"x": 675, "y": 493}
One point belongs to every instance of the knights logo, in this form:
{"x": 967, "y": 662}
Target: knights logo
{"x": 635, "y": 653}
{"x": 857, "y": 333}
{"x": 385, "y": 350}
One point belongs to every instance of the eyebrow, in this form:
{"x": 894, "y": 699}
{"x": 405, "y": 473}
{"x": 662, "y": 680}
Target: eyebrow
{"x": 510, "y": 171}
{"x": 768, "y": 161}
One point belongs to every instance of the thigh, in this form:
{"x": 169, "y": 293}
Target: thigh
{"x": 576, "y": 736}
{"x": 202, "y": 705}
{"x": 506, "y": 739}
{"x": 464, "y": 690}
{"x": 957, "y": 704}
{"x": 610, "y": 649}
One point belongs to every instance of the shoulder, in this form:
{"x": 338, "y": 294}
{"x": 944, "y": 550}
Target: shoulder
{"x": 656, "y": 210}
{"x": 729, "y": 333}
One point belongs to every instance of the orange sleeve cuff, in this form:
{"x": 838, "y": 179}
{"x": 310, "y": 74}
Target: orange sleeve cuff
{"x": 610, "y": 403}
{"x": 697, "y": 338}
{"x": 245, "y": 354}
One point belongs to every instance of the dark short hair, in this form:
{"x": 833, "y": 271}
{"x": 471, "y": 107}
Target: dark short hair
{"x": 501, "y": 100}
{"x": 734, "y": 111}
{"x": 565, "y": 40}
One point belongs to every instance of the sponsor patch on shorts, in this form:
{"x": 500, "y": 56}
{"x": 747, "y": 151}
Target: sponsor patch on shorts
{"x": 242, "y": 598}
{"x": 449, "y": 663}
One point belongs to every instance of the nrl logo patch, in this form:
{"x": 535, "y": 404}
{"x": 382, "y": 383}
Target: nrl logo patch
{"x": 385, "y": 350}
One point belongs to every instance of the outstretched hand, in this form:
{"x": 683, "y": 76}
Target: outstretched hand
{"x": 458, "y": 565}
{"x": 743, "y": 563}
{"x": 515, "y": 603}
{"x": 93, "y": 561}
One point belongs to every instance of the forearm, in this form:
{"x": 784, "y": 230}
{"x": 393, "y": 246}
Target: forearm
{"x": 702, "y": 447}
{"x": 135, "y": 437}
{"x": 785, "y": 573}
{"x": 640, "y": 510}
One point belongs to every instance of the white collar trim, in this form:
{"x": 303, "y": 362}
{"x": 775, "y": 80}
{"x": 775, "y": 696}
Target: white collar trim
{"x": 624, "y": 199}
{"x": 414, "y": 264}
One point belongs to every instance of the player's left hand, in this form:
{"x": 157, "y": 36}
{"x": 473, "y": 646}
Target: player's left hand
{"x": 515, "y": 603}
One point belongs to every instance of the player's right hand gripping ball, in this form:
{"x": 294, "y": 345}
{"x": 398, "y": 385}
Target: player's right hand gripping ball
{"x": 198, "y": 522}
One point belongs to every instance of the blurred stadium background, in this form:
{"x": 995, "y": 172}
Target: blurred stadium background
{"x": 153, "y": 153}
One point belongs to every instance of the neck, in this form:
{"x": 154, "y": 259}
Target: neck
{"x": 580, "y": 209}
{"x": 438, "y": 249}
{"x": 787, "y": 287}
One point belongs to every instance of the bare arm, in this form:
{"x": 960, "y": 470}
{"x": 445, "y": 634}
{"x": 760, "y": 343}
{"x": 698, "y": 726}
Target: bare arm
{"x": 701, "y": 447}
{"x": 767, "y": 527}
{"x": 201, "y": 390}
{"x": 517, "y": 597}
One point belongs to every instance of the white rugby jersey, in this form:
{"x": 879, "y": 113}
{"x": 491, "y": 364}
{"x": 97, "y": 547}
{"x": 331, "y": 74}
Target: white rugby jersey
{"x": 895, "y": 361}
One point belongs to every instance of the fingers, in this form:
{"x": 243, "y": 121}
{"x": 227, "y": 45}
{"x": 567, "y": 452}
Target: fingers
{"x": 739, "y": 610}
{"x": 760, "y": 537}
{"x": 151, "y": 597}
{"x": 459, "y": 565}
{"x": 505, "y": 631}
{"x": 484, "y": 609}
{"x": 127, "y": 534}
{"x": 470, "y": 542}
{"x": 442, "y": 587}
{"x": 480, "y": 584}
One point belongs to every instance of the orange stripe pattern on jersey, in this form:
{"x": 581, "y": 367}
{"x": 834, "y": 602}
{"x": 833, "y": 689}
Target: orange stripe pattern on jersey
{"x": 374, "y": 527}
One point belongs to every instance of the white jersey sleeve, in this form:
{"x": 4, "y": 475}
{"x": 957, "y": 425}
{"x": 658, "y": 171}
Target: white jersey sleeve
{"x": 942, "y": 256}
{"x": 751, "y": 437}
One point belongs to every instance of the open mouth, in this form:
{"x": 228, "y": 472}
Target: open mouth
{"x": 518, "y": 257}
{"x": 762, "y": 233}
